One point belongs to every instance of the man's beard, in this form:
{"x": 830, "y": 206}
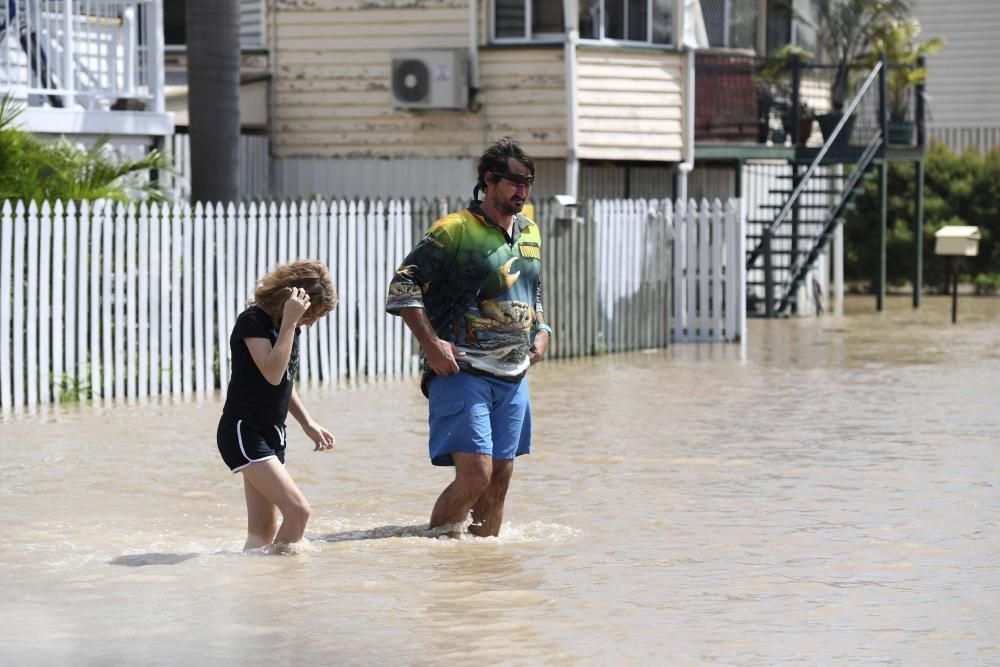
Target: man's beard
{"x": 510, "y": 208}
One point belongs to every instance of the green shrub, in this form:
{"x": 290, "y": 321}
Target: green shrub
{"x": 958, "y": 190}
{"x": 32, "y": 169}
{"x": 987, "y": 283}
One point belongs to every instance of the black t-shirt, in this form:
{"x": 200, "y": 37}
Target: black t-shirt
{"x": 250, "y": 395}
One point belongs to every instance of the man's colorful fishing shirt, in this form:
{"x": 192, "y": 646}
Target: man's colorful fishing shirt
{"x": 480, "y": 289}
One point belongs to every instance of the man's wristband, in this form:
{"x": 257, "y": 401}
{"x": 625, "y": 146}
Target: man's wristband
{"x": 543, "y": 327}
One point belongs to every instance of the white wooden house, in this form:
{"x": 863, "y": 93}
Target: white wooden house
{"x": 963, "y": 86}
{"x": 581, "y": 98}
{"x": 86, "y": 68}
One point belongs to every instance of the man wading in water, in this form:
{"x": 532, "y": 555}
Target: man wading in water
{"x": 471, "y": 293}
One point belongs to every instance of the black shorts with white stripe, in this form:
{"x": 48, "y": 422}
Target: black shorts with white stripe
{"x": 242, "y": 442}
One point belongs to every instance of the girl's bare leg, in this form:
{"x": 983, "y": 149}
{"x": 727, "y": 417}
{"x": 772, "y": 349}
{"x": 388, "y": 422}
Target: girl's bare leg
{"x": 272, "y": 482}
{"x": 262, "y": 518}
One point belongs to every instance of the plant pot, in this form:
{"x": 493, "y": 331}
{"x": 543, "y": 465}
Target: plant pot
{"x": 763, "y": 131}
{"x": 805, "y": 130}
{"x": 805, "y": 127}
{"x": 902, "y": 132}
{"x": 828, "y": 123}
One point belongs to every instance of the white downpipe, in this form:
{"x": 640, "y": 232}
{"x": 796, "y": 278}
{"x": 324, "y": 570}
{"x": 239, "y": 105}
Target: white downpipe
{"x": 572, "y": 139}
{"x": 687, "y": 164}
{"x": 692, "y": 37}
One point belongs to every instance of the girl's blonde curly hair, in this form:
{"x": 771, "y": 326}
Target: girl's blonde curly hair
{"x": 309, "y": 274}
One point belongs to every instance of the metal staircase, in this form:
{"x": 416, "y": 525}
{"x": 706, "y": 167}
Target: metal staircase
{"x": 780, "y": 257}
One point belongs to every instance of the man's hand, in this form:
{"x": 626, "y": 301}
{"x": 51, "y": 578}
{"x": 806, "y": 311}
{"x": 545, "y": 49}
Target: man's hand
{"x": 539, "y": 346}
{"x": 441, "y": 356}
{"x": 440, "y": 353}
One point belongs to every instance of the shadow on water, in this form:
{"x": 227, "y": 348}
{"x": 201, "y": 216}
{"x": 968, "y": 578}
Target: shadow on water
{"x": 140, "y": 560}
{"x": 384, "y": 532}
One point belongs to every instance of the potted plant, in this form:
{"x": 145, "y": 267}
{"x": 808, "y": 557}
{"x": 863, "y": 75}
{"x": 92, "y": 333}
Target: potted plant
{"x": 775, "y": 77}
{"x": 899, "y": 41}
{"x": 804, "y": 121}
{"x": 845, "y": 28}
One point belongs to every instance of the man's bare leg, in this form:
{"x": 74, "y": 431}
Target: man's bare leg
{"x": 487, "y": 511}
{"x": 274, "y": 483}
{"x": 472, "y": 478}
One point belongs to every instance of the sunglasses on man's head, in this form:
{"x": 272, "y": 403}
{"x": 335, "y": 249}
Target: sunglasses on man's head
{"x": 516, "y": 179}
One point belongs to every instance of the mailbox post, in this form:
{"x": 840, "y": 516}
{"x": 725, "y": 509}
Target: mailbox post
{"x": 956, "y": 241}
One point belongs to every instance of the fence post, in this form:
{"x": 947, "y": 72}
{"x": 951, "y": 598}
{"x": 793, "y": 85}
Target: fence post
{"x": 768, "y": 272}
{"x": 796, "y": 100}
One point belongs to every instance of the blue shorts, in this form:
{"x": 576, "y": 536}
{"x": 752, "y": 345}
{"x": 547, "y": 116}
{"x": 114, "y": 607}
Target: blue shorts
{"x": 480, "y": 415}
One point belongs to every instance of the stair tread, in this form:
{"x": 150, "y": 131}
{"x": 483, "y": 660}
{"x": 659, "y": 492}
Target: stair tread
{"x": 777, "y": 191}
{"x": 825, "y": 177}
{"x": 780, "y": 206}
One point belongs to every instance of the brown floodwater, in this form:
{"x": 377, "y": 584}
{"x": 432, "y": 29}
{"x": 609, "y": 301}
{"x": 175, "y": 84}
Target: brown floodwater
{"x": 824, "y": 494}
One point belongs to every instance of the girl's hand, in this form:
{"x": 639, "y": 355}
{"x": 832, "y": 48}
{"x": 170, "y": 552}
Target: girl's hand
{"x": 295, "y": 306}
{"x": 324, "y": 439}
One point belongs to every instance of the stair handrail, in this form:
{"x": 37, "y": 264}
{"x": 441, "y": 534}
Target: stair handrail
{"x": 768, "y": 231}
{"x": 798, "y": 271}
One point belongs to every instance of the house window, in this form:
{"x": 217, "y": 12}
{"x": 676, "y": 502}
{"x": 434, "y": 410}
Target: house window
{"x": 779, "y": 25}
{"x": 527, "y": 19}
{"x": 642, "y": 21}
{"x": 174, "y": 24}
{"x": 252, "y": 27}
{"x": 731, "y": 23}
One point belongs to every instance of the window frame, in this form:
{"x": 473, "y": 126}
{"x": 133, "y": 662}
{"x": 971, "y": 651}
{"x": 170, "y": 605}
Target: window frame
{"x": 528, "y": 37}
{"x": 550, "y": 38}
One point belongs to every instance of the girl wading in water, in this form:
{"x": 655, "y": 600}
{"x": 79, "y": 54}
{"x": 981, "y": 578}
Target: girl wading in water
{"x": 251, "y": 434}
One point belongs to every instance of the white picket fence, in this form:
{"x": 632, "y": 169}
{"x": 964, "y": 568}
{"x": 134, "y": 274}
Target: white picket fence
{"x": 110, "y": 301}
{"x": 126, "y": 301}
{"x": 709, "y": 272}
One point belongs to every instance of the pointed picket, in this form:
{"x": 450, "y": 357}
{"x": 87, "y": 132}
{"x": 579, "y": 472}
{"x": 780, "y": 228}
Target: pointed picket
{"x": 6, "y": 280}
{"x": 73, "y": 253}
{"x": 195, "y": 291}
{"x": 353, "y": 253}
{"x": 58, "y": 277}
{"x": 44, "y": 303}
{"x": 31, "y": 307}
{"x": 142, "y": 379}
{"x": 126, "y": 226}
{"x": 323, "y": 254}
{"x": 338, "y": 243}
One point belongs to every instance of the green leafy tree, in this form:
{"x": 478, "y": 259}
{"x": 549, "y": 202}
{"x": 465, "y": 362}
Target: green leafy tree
{"x": 844, "y": 29}
{"x": 958, "y": 190}
{"x": 32, "y": 169}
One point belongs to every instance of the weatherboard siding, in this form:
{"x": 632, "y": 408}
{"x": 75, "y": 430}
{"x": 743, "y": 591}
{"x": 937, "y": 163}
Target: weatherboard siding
{"x": 332, "y": 89}
{"x": 629, "y": 105}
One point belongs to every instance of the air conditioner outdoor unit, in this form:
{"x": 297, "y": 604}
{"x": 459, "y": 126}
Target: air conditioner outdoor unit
{"x": 437, "y": 79}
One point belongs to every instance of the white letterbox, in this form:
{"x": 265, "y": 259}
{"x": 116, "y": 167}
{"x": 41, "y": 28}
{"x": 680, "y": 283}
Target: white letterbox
{"x": 957, "y": 240}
